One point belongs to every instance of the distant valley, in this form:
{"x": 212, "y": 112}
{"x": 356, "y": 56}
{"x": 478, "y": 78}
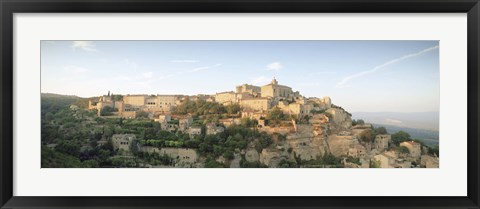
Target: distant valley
{"x": 420, "y": 125}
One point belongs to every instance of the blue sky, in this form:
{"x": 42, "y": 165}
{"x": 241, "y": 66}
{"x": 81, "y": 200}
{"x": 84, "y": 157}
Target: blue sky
{"x": 362, "y": 76}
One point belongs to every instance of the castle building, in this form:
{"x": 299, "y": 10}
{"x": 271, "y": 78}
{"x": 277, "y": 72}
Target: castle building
{"x": 150, "y": 103}
{"x": 250, "y": 89}
{"x": 128, "y": 106}
{"x": 274, "y": 90}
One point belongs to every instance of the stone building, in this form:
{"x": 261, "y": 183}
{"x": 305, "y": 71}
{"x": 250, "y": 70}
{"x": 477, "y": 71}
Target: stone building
{"x": 135, "y": 100}
{"x": 296, "y": 108}
{"x": 225, "y": 98}
{"x": 164, "y": 118}
{"x": 178, "y": 155}
{"x": 170, "y": 127}
{"x": 325, "y": 103}
{"x": 256, "y": 104}
{"x": 122, "y": 141}
{"x": 384, "y": 160}
{"x": 230, "y": 121}
{"x": 414, "y": 148}
{"x": 185, "y": 122}
{"x": 212, "y": 129}
{"x": 249, "y": 89}
{"x": 194, "y": 131}
{"x": 105, "y": 101}
{"x": 357, "y": 151}
{"x": 274, "y": 90}
{"x": 382, "y": 142}
{"x": 428, "y": 161}
{"x": 257, "y": 115}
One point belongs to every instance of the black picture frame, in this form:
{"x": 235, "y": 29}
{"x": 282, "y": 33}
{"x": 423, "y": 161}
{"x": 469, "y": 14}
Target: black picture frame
{"x": 9, "y": 7}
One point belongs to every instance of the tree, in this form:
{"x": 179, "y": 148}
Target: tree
{"x": 380, "y": 130}
{"x": 434, "y": 150}
{"x": 400, "y": 137}
{"x": 374, "y": 164}
{"x": 211, "y": 163}
{"x": 366, "y": 136}
{"x": 68, "y": 147}
{"x": 233, "y": 109}
{"x": 358, "y": 122}
{"x": 228, "y": 155}
{"x": 142, "y": 114}
{"x": 247, "y": 122}
{"x": 275, "y": 116}
{"x": 403, "y": 149}
{"x": 107, "y": 111}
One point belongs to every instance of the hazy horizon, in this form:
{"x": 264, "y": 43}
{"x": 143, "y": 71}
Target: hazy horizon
{"x": 361, "y": 76}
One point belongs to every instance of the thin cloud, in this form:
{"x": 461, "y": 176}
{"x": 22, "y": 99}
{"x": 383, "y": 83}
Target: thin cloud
{"x": 259, "y": 80}
{"x": 204, "y": 68}
{"x": 276, "y": 66}
{"x": 88, "y": 46}
{"x": 349, "y": 78}
{"x": 393, "y": 120}
{"x": 75, "y": 69}
{"x": 324, "y": 73}
{"x": 184, "y": 61}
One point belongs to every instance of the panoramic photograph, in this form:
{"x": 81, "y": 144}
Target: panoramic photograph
{"x": 240, "y": 104}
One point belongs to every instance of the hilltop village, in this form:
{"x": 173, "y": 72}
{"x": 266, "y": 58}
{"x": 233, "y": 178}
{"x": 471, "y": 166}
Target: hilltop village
{"x": 253, "y": 126}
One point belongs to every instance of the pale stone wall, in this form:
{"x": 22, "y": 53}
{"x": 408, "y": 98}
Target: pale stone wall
{"x": 251, "y": 89}
{"x": 92, "y": 105}
{"x": 185, "y": 123}
{"x": 128, "y": 114}
{"x": 295, "y": 108}
{"x": 122, "y": 141}
{"x": 226, "y": 97}
{"x": 382, "y": 141}
{"x": 385, "y": 162}
{"x": 166, "y": 101}
{"x": 151, "y": 101}
{"x": 257, "y": 104}
{"x": 429, "y": 161}
{"x": 164, "y": 118}
{"x": 230, "y": 121}
{"x": 253, "y": 114}
{"x": 165, "y": 126}
{"x": 135, "y": 100}
{"x": 119, "y": 106}
{"x": 414, "y": 148}
{"x": 327, "y": 102}
{"x": 358, "y": 150}
{"x": 180, "y": 155}
{"x": 272, "y": 90}
{"x": 193, "y": 131}
{"x": 280, "y": 130}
